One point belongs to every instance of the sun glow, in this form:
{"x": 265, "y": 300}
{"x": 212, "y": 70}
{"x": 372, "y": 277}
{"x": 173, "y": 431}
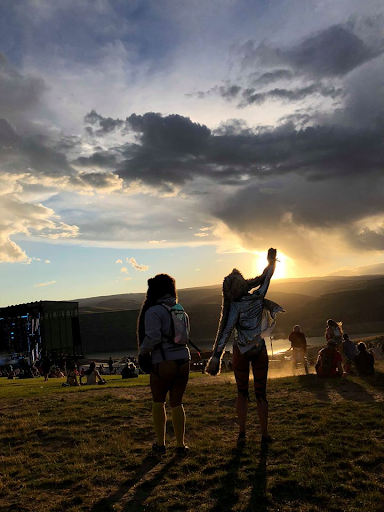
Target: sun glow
{"x": 283, "y": 266}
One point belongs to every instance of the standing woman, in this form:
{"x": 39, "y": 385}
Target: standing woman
{"x": 252, "y": 317}
{"x": 170, "y": 361}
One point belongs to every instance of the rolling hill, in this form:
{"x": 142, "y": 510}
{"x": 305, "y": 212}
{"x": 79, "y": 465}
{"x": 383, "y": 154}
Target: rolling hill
{"x": 108, "y": 323}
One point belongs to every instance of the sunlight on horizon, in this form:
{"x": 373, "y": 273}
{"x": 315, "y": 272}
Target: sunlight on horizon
{"x": 283, "y": 266}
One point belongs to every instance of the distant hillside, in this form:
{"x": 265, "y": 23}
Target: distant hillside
{"x": 108, "y": 323}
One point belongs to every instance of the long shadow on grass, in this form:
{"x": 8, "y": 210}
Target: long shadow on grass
{"x": 350, "y": 390}
{"x": 347, "y": 389}
{"x": 227, "y": 495}
{"x": 141, "y": 489}
{"x": 376, "y": 380}
{"x": 258, "y": 501}
{"x": 315, "y": 385}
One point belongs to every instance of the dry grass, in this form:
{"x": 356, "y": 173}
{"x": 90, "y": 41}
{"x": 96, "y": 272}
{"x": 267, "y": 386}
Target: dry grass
{"x": 87, "y": 449}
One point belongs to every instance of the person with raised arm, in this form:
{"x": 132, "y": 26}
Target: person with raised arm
{"x": 252, "y": 317}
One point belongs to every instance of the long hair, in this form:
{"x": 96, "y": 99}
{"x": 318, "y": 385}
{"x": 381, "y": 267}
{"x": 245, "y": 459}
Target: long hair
{"x": 332, "y": 323}
{"x": 158, "y": 287}
{"x": 234, "y": 287}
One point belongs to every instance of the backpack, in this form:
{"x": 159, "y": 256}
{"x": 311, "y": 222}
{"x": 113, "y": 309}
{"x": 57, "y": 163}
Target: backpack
{"x": 179, "y": 323}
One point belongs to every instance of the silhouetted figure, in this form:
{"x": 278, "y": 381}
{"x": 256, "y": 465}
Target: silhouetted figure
{"x": 334, "y": 331}
{"x": 72, "y": 375}
{"x": 93, "y": 376}
{"x": 129, "y": 371}
{"x": 110, "y": 365}
{"x": 364, "y": 361}
{"x": 329, "y": 361}
{"x": 299, "y": 347}
{"x": 169, "y": 361}
{"x": 46, "y": 366}
{"x": 349, "y": 353}
{"x": 252, "y": 317}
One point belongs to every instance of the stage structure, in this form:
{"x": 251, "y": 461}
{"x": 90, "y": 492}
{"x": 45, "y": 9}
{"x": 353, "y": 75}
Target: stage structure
{"x": 30, "y": 330}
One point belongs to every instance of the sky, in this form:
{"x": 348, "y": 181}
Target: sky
{"x": 187, "y": 137}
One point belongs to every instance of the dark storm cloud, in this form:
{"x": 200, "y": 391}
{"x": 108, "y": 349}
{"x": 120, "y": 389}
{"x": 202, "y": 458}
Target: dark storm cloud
{"x": 105, "y": 124}
{"x": 270, "y": 77}
{"x": 367, "y": 239}
{"x": 332, "y": 52}
{"x": 250, "y": 96}
{"x": 320, "y": 59}
{"x": 227, "y": 91}
{"x": 105, "y": 160}
{"x": 172, "y": 150}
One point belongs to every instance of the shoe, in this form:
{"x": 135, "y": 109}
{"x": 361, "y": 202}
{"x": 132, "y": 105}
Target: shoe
{"x": 182, "y": 450}
{"x": 159, "y": 450}
{"x": 267, "y": 439}
{"x": 241, "y": 439}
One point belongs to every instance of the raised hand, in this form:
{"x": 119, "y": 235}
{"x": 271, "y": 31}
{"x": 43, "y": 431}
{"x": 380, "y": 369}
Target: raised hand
{"x": 271, "y": 256}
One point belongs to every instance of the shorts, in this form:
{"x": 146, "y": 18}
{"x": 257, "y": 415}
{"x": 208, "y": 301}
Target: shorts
{"x": 259, "y": 366}
{"x": 172, "y": 377}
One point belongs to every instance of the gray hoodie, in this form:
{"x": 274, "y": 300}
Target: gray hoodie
{"x": 158, "y": 329}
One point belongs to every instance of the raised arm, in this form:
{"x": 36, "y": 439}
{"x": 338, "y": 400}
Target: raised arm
{"x": 264, "y": 279}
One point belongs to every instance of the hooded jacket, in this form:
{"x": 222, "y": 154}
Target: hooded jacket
{"x": 252, "y": 317}
{"x": 158, "y": 330}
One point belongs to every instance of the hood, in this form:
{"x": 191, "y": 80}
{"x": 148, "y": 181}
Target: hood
{"x": 168, "y": 300}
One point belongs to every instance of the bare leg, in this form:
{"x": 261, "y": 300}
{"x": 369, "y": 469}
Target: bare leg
{"x": 242, "y": 409}
{"x": 262, "y": 411}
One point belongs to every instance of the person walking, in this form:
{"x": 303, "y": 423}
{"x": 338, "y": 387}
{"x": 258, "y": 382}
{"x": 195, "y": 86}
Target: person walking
{"x": 252, "y": 317}
{"x": 166, "y": 342}
{"x": 299, "y": 348}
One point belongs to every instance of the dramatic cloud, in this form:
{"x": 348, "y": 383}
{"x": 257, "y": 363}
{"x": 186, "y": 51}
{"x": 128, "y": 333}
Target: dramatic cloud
{"x": 335, "y": 51}
{"x": 106, "y": 125}
{"x": 301, "y": 161}
{"x": 137, "y": 266}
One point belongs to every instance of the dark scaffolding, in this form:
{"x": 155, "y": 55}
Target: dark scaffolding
{"x": 35, "y": 328}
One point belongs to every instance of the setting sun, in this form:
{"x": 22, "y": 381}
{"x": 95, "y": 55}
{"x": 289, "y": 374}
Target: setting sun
{"x": 283, "y": 266}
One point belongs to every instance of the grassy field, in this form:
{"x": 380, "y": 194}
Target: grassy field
{"x": 88, "y": 449}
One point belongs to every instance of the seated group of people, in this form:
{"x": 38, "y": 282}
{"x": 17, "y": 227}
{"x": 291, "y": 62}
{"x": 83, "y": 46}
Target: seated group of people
{"x": 92, "y": 376}
{"x": 330, "y": 359}
{"x": 341, "y": 355}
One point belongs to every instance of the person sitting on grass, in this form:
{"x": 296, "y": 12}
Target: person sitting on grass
{"x": 364, "y": 361}
{"x": 129, "y": 371}
{"x": 72, "y": 379}
{"x": 93, "y": 376}
{"x": 349, "y": 352}
{"x": 329, "y": 361}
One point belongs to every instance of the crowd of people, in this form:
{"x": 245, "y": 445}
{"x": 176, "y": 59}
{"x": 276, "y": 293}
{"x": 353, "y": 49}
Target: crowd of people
{"x": 245, "y": 311}
{"x": 163, "y": 337}
{"x": 340, "y": 356}
{"x": 64, "y": 367}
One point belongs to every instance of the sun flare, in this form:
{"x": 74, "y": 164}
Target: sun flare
{"x": 283, "y": 266}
